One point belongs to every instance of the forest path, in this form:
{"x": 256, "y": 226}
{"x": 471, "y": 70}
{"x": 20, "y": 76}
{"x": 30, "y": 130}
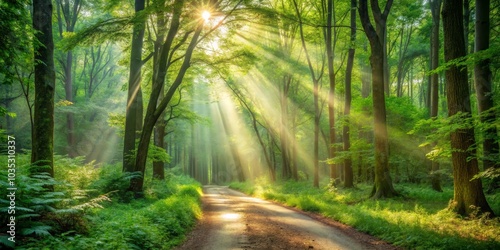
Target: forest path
{"x": 233, "y": 220}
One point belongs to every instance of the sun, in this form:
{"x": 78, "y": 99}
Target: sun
{"x": 206, "y": 15}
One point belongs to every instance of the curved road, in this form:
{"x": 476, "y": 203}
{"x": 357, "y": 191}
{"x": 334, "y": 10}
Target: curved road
{"x": 233, "y": 220}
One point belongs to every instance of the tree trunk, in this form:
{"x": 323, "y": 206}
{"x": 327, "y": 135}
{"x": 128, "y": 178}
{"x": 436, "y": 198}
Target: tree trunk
{"x": 484, "y": 89}
{"x": 294, "y": 146}
{"x": 316, "y": 134}
{"x": 349, "y": 177}
{"x": 70, "y": 121}
{"x": 159, "y": 74}
{"x": 466, "y": 16}
{"x": 468, "y": 194}
{"x": 383, "y": 183}
{"x": 134, "y": 85}
{"x": 42, "y": 154}
{"x": 331, "y": 94}
{"x": 381, "y": 29}
{"x": 365, "y": 76}
{"x": 435, "y": 8}
{"x": 286, "y": 173}
{"x": 159, "y": 140}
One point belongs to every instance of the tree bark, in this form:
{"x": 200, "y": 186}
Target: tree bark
{"x": 349, "y": 177}
{"x": 365, "y": 76}
{"x": 383, "y": 183}
{"x": 159, "y": 74}
{"x": 316, "y": 133}
{"x": 435, "y": 8}
{"x": 134, "y": 88}
{"x": 468, "y": 194}
{"x": 159, "y": 140}
{"x": 284, "y": 142}
{"x": 484, "y": 90}
{"x": 42, "y": 154}
{"x": 331, "y": 94}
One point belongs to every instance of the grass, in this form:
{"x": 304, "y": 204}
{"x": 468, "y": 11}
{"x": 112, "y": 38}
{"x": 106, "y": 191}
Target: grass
{"x": 416, "y": 220}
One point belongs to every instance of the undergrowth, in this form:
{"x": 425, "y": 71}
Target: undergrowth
{"x": 89, "y": 208}
{"x": 416, "y": 220}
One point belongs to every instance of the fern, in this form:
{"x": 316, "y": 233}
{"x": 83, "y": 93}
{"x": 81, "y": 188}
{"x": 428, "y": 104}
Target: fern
{"x": 39, "y": 230}
{"x": 93, "y": 203}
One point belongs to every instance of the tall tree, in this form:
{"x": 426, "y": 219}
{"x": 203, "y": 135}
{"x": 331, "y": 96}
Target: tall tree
{"x": 435, "y": 8}
{"x": 134, "y": 88}
{"x": 159, "y": 74}
{"x": 315, "y": 79}
{"x": 67, "y": 15}
{"x": 330, "y": 8}
{"x": 349, "y": 178}
{"x": 468, "y": 193}
{"x": 383, "y": 182}
{"x": 484, "y": 90}
{"x": 42, "y": 153}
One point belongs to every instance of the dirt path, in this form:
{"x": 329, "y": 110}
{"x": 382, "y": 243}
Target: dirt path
{"x": 233, "y": 220}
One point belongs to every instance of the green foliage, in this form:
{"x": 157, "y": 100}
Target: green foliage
{"x": 99, "y": 32}
{"x": 158, "y": 154}
{"x": 416, "y": 220}
{"x": 158, "y": 222}
{"x": 490, "y": 173}
{"x": 471, "y": 59}
{"x": 79, "y": 213}
{"x": 437, "y": 132}
{"x": 14, "y": 23}
{"x": 45, "y": 206}
{"x": 112, "y": 179}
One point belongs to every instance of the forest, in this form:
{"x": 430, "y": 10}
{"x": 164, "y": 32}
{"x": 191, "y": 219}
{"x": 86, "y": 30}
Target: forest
{"x": 118, "y": 119}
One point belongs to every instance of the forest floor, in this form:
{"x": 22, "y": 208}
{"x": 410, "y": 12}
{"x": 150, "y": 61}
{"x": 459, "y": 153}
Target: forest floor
{"x": 233, "y": 220}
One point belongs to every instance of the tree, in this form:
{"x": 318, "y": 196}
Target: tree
{"x": 42, "y": 153}
{"x": 435, "y": 8}
{"x": 383, "y": 183}
{"x": 67, "y": 15}
{"x": 134, "y": 88}
{"x": 175, "y": 40}
{"x": 330, "y": 41}
{"x": 98, "y": 66}
{"x": 468, "y": 193}
{"x": 348, "y": 181}
{"x": 159, "y": 74}
{"x": 315, "y": 79}
{"x": 331, "y": 77}
{"x": 484, "y": 90}
{"x": 287, "y": 31}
